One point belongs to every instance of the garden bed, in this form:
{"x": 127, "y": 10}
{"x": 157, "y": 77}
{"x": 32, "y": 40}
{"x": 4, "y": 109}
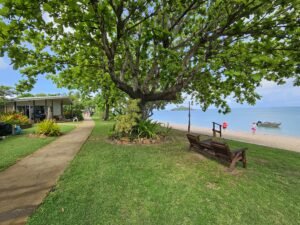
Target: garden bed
{"x": 146, "y": 141}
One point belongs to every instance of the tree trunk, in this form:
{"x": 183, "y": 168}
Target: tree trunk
{"x": 106, "y": 112}
{"x": 143, "y": 110}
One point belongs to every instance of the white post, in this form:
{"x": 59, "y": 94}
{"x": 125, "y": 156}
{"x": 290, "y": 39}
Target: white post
{"x": 49, "y": 113}
{"x": 13, "y": 129}
{"x": 29, "y": 111}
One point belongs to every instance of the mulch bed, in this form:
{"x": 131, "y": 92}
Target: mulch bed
{"x": 143, "y": 141}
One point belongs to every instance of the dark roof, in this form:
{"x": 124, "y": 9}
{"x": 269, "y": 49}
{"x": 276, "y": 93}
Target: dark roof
{"x": 66, "y": 99}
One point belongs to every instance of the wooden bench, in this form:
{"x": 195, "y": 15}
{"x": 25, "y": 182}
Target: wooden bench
{"x": 199, "y": 142}
{"x": 223, "y": 151}
{"x": 218, "y": 149}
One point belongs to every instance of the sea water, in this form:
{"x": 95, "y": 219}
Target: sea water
{"x": 239, "y": 119}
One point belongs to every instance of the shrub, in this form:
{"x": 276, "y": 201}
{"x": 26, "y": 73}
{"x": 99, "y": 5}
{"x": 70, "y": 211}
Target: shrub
{"x": 125, "y": 123}
{"x": 48, "y": 128}
{"x": 14, "y": 118}
{"x": 146, "y": 129}
{"x": 130, "y": 125}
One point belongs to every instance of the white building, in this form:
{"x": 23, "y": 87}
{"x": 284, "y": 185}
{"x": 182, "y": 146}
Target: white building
{"x": 36, "y": 108}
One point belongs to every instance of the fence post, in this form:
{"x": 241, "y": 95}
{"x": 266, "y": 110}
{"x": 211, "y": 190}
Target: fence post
{"x": 189, "y": 124}
{"x": 215, "y": 131}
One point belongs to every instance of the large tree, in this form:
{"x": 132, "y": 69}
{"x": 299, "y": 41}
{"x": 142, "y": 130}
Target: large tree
{"x": 156, "y": 50}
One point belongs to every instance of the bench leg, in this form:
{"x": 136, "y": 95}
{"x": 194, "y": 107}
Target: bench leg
{"x": 244, "y": 159}
{"x": 234, "y": 161}
{"x": 232, "y": 164}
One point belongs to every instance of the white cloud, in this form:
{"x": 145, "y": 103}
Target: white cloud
{"x": 268, "y": 84}
{"x": 279, "y": 95}
{"x": 269, "y": 87}
{"x": 47, "y": 18}
{"x": 3, "y": 65}
{"x": 272, "y": 95}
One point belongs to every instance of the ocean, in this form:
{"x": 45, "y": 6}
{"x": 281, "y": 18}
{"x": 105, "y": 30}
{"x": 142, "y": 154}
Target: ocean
{"x": 239, "y": 119}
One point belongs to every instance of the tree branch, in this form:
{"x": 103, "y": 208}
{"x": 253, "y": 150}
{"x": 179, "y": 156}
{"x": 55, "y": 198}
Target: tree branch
{"x": 189, "y": 8}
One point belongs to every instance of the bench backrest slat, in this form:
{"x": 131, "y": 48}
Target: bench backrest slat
{"x": 221, "y": 149}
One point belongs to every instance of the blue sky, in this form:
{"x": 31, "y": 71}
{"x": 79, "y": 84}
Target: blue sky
{"x": 272, "y": 94}
{"x": 9, "y": 77}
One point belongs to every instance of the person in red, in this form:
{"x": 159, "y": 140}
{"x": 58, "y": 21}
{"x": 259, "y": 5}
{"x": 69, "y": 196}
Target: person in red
{"x": 225, "y": 125}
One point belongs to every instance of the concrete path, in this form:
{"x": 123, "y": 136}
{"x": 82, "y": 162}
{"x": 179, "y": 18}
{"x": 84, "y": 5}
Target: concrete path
{"x": 24, "y": 185}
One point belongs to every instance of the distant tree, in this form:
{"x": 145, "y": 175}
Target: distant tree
{"x": 156, "y": 50}
{"x": 55, "y": 94}
{"x": 40, "y": 95}
{"x": 5, "y": 92}
{"x": 109, "y": 98}
{"x": 95, "y": 81}
{"x": 26, "y": 94}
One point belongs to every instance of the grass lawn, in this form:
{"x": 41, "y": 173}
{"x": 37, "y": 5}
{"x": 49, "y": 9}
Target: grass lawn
{"x": 16, "y": 147}
{"x": 167, "y": 184}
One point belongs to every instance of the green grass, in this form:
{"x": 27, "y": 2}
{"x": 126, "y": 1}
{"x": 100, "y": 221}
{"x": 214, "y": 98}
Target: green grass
{"x": 17, "y": 147}
{"x": 167, "y": 184}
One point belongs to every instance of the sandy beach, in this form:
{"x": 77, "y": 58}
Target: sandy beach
{"x": 275, "y": 141}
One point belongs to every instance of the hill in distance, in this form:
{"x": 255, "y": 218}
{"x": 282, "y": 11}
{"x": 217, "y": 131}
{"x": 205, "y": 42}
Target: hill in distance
{"x": 181, "y": 108}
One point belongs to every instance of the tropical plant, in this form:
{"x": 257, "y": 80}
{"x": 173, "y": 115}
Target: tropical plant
{"x": 14, "y": 118}
{"x": 48, "y": 128}
{"x": 124, "y": 123}
{"x": 146, "y": 129}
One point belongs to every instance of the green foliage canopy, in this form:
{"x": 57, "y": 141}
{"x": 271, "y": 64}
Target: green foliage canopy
{"x": 156, "y": 50}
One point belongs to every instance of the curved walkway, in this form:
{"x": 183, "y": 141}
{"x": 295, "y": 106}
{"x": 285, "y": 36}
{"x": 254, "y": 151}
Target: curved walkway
{"x": 24, "y": 185}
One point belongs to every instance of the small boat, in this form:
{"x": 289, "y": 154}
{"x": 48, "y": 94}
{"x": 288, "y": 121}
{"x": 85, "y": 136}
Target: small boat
{"x": 268, "y": 124}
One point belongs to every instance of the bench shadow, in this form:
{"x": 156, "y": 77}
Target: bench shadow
{"x": 208, "y": 155}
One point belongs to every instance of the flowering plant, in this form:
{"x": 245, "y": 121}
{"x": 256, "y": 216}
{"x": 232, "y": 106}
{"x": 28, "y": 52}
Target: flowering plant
{"x": 14, "y": 118}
